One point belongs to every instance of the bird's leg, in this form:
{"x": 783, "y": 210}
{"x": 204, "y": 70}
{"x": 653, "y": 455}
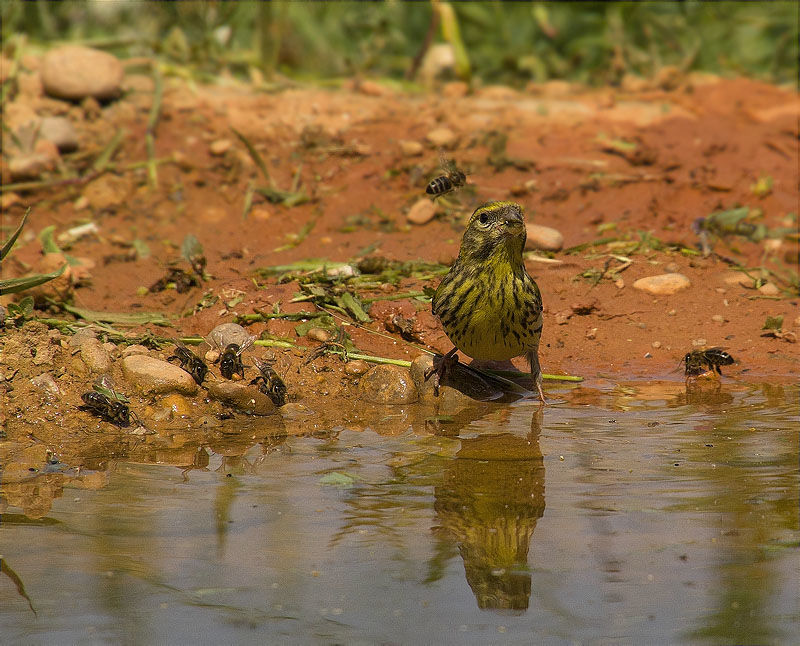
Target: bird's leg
{"x": 441, "y": 370}
{"x": 536, "y": 373}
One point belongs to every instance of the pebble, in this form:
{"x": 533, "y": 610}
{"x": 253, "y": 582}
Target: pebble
{"x": 662, "y": 284}
{"x": 227, "y": 333}
{"x": 319, "y": 334}
{"x": 106, "y": 192}
{"x": 422, "y": 212}
{"x": 442, "y": 138}
{"x": 81, "y": 336}
{"x": 61, "y": 132}
{"x": 173, "y": 406}
{"x": 410, "y": 148}
{"x": 30, "y": 165}
{"x": 156, "y": 377}
{"x": 387, "y": 384}
{"x": 244, "y": 398}
{"x": 74, "y": 72}
{"x": 421, "y": 366}
{"x": 672, "y": 267}
{"x": 697, "y": 343}
{"x": 455, "y": 89}
{"x": 718, "y": 318}
{"x": 356, "y": 368}
{"x": 95, "y": 356}
{"x": 545, "y": 238}
{"x": 296, "y": 410}
{"x": 796, "y": 322}
{"x": 769, "y": 289}
{"x": 737, "y": 278}
{"x": 219, "y": 147}
{"x": 135, "y": 349}
{"x": 656, "y": 344}
{"x": 47, "y": 384}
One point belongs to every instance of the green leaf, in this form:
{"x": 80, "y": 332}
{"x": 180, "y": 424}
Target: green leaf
{"x": 338, "y": 479}
{"x": 324, "y": 322}
{"x": 773, "y": 323}
{"x": 10, "y": 242}
{"x": 191, "y": 248}
{"x": 353, "y": 305}
{"x": 121, "y": 318}
{"x": 48, "y": 240}
{"x": 17, "y": 285}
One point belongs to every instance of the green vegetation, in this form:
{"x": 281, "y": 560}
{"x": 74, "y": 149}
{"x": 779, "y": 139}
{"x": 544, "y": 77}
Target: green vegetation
{"x": 591, "y": 42}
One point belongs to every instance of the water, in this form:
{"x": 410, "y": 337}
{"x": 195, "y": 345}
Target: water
{"x": 623, "y": 516}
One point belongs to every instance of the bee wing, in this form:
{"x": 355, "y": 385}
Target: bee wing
{"x": 214, "y": 342}
{"x": 248, "y": 342}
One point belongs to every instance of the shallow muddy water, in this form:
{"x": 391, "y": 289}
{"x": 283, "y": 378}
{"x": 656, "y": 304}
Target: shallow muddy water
{"x": 622, "y": 515}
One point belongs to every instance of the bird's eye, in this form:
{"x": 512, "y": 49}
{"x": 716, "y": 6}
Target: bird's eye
{"x": 483, "y": 218}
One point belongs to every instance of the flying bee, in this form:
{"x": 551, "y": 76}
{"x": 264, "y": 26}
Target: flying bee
{"x": 190, "y": 362}
{"x": 106, "y": 408}
{"x": 270, "y": 383}
{"x": 452, "y": 179}
{"x": 698, "y": 361}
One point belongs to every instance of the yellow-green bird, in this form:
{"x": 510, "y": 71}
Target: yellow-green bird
{"x": 489, "y": 306}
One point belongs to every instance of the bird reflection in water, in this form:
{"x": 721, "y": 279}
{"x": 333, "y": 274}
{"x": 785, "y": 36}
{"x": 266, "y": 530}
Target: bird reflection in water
{"x": 490, "y": 499}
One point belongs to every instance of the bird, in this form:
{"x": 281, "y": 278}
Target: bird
{"x": 488, "y": 304}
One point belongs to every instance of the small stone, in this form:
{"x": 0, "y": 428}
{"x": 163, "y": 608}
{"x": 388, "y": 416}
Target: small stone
{"x": 698, "y": 343}
{"x": 769, "y": 289}
{"x": 737, "y": 278}
{"x": 563, "y": 317}
{"x": 173, "y": 406}
{"x": 213, "y": 214}
{"x": 796, "y": 322}
{"x": 591, "y": 334}
{"x": 30, "y": 165}
{"x": 244, "y": 398}
{"x": 9, "y": 199}
{"x": 95, "y": 356}
{"x": 662, "y": 284}
{"x": 219, "y": 147}
{"x": 107, "y": 192}
{"x": 60, "y": 131}
{"x": 156, "y": 377}
{"x": 318, "y": 334}
{"x": 718, "y": 318}
{"x": 422, "y": 212}
{"x": 656, "y": 344}
{"x": 356, "y": 368}
{"x": 260, "y": 213}
{"x": 455, "y": 89}
{"x": 81, "y": 336}
{"x": 371, "y": 88}
{"x": 135, "y": 349}
{"x": 619, "y": 283}
{"x": 387, "y": 384}
{"x": 498, "y": 93}
{"x": 442, "y": 138}
{"x": 74, "y": 72}
{"x": 81, "y": 203}
{"x": 227, "y": 333}
{"x": 541, "y": 237}
{"x": 295, "y": 411}
{"x": 420, "y": 367}
{"x": 672, "y": 313}
{"x": 46, "y": 384}
{"x": 410, "y": 148}
{"x": 672, "y": 267}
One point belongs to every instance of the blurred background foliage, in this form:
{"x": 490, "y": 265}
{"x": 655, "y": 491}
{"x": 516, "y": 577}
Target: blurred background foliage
{"x": 512, "y": 43}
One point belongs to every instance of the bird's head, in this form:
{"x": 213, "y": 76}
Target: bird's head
{"x": 496, "y": 232}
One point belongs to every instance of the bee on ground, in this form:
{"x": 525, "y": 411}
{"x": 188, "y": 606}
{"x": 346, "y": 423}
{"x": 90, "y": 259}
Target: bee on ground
{"x": 453, "y": 178}
{"x": 106, "y": 408}
{"x": 190, "y": 362}
{"x": 698, "y": 361}
{"x": 230, "y": 359}
{"x": 270, "y": 383}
